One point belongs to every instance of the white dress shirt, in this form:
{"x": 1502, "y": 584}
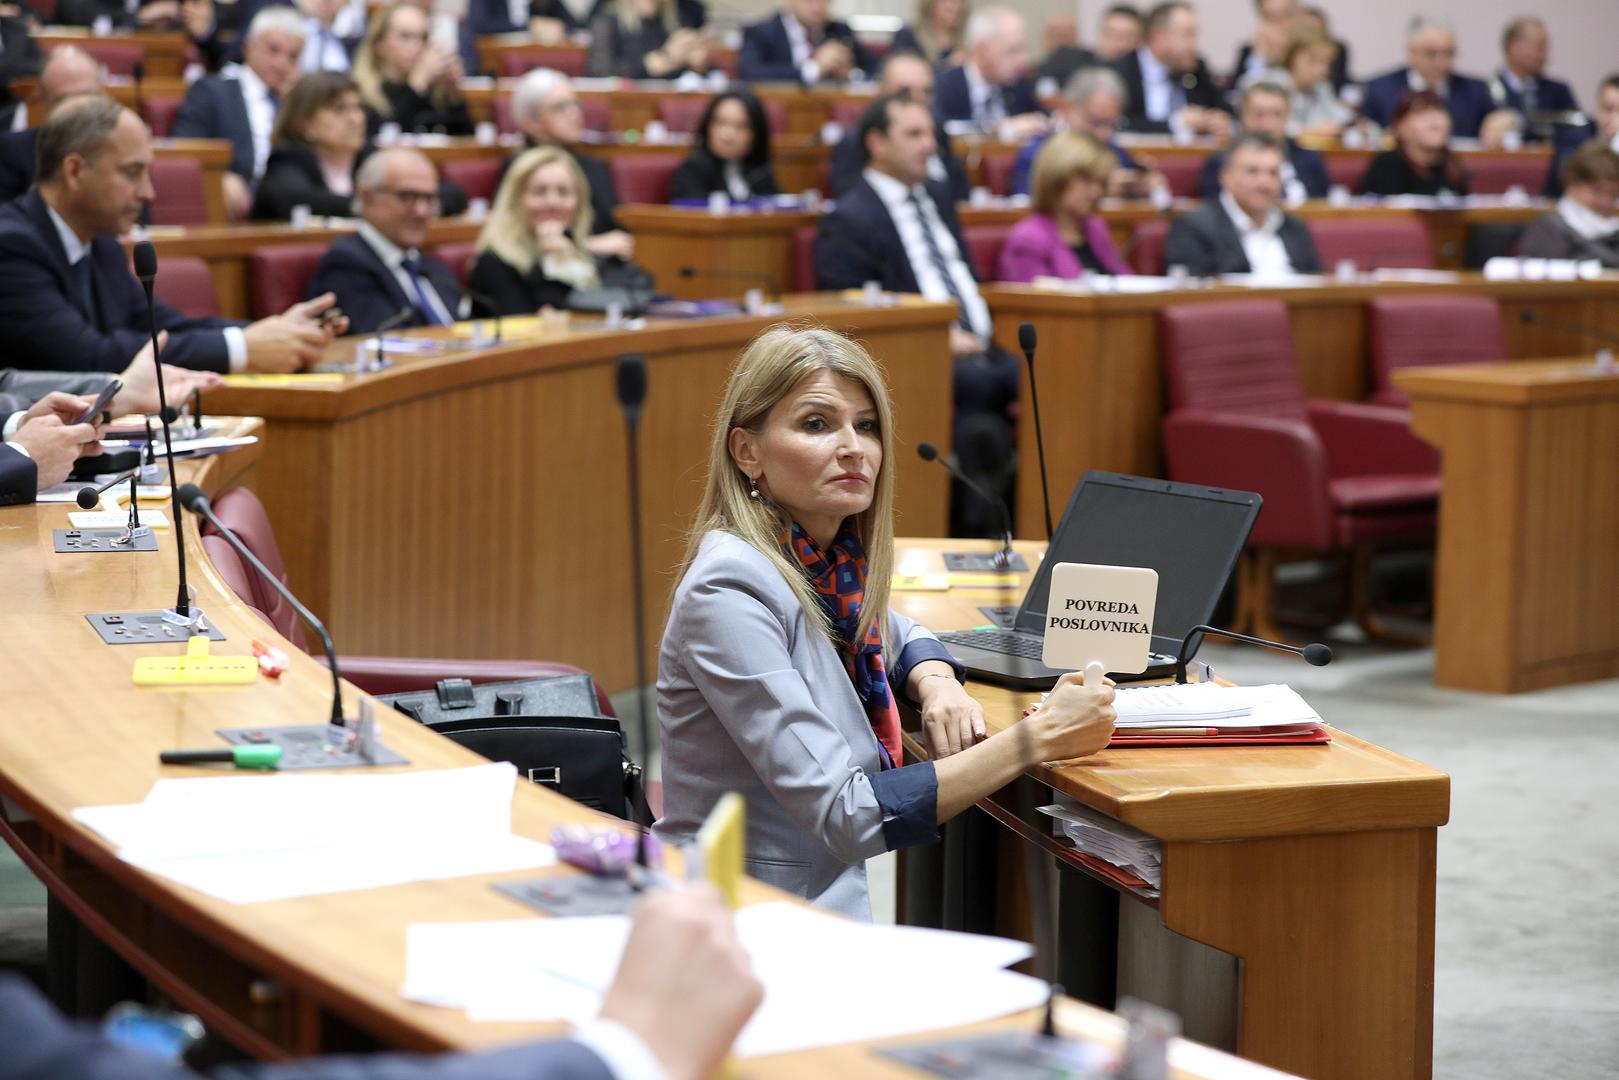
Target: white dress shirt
{"x": 988, "y": 103}
{"x": 897, "y": 198}
{"x": 393, "y": 257}
{"x": 736, "y": 181}
{"x": 1158, "y": 86}
{"x": 803, "y": 49}
{"x": 260, "y": 112}
{"x": 1417, "y": 82}
{"x": 323, "y": 49}
{"x": 76, "y": 249}
{"x": 1267, "y": 255}
{"x": 627, "y": 1057}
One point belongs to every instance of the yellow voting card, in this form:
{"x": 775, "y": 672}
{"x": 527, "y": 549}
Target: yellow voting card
{"x": 722, "y": 839}
{"x": 268, "y": 379}
{"x": 196, "y": 668}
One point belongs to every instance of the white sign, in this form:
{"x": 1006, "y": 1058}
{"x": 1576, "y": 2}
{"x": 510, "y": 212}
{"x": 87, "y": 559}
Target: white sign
{"x": 1100, "y": 615}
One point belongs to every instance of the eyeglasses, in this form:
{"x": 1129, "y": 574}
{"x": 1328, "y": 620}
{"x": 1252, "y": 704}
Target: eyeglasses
{"x": 562, "y": 107}
{"x": 427, "y": 200}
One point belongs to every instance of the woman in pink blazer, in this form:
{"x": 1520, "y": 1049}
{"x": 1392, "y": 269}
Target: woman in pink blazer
{"x": 1063, "y": 237}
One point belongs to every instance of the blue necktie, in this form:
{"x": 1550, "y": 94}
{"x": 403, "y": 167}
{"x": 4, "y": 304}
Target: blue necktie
{"x": 413, "y": 268}
{"x": 86, "y": 287}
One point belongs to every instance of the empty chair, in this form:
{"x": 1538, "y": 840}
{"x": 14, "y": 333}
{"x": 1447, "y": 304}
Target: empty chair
{"x": 1145, "y": 251}
{"x": 995, "y": 170}
{"x": 159, "y": 111}
{"x": 185, "y": 283}
{"x": 118, "y": 57}
{"x": 682, "y": 112}
{"x": 984, "y": 243}
{"x": 1495, "y": 174}
{"x": 1345, "y": 170}
{"x": 1414, "y": 331}
{"x": 1372, "y": 243}
{"x": 568, "y": 60}
{"x": 804, "y": 259}
{"x": 1337, "y": 477}
{"x": 1182, "y": 171}
{"x": 644, "y": 178}
{"x": 279, "y": 274}
{"x": 477, "y": 176}
{"x": 178, "y": 196}
{"x": 458, "y": 256}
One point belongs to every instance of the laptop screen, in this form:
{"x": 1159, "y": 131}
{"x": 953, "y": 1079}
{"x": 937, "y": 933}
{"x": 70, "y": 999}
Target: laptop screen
{"x": 1191, "y": 534}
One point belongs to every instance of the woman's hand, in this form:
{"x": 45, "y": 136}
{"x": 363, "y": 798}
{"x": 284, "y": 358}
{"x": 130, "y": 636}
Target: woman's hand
{"x": 616, "y": 244}
{"x": 1076, "y": 720}
{"x": 551, "y": 237}
{"x": 951, "y": 720}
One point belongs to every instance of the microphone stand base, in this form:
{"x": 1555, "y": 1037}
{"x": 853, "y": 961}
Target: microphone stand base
{"x": 1008, "y": 1055}
{"x": 150, "y": 627}
{"x": 563, "y": 893}
{"x": 92, "y": 541}
{"x": 984, "y": 562}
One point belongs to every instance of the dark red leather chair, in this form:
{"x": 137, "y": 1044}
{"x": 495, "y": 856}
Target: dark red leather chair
{"x": 644, "y": 178}
{"x": 1337, "y": 477}
{"x": 682, "y": 112}
{"x": 118, "y": 57}
{"x": 1493, "y": 174}
{"x": 847, "y": 114}
{"x": 1411, "y": 331}
{"x": 278, "y": 274}
{"x": 804, "y": 259}
{"x": 477, "y": 176}
{"x": 984, "y": 243}
{"x": 727, "y": 60}
{"x": 183, "y": 282}
{"x": 1346, "y": 170}
{"x": 598, "y": 113}
{"x": 569, "y": 61}
{"x": 240, "y": 511}
{"x": 159, "y": 110}
{"x": 1145, "y": 251}
{"x": 1373, "y": 243}
{"x": 995, "y": 170}
{"x": 458, "y": 257}
{"x": 178, "y": 192}
{"x": 1182, "y": 171}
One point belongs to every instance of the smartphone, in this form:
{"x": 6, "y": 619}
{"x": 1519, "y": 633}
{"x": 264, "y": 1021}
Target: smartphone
{"x": 107, "y": 394}
{"x": 331, "y": 315}
{"x": 165, "y": 1036}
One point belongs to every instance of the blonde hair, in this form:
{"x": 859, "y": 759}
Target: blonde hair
{"x": 367, "y": 69}
{"x": 1064, "y": 156}
{"x": 629, "y": 20}
{"x": 508, "y": 234}
{"x": 1305, "y": 38}
{"x": 767, "y": 371}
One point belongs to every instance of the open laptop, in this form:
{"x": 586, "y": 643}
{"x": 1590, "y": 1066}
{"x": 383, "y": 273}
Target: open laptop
{"x": 1191, "y": 534}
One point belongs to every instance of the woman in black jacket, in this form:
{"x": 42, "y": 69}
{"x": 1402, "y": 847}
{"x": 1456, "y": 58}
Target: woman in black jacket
{"x": 1421, "y": 162}
{"x": 732, "y": 154}
{"x": 645, "y": 39}
{"x": 406, "y": 79}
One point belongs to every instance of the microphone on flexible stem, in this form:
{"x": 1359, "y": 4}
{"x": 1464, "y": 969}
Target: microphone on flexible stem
{"x": 767, "y": 280}
{"x": 1027, "y": 340}
{"x": 1315, "y": 654}
{"x": 194, "y": 403}
{"x": 393, "y": 322}
{"x": 631, "y": 396}
{"x": 484, "y": 301}
{"x": 1535, "y": 318}
{"x": 89, "y": 496}
{"x": 146, "y": 271}
{"x": 1003, "y": 558}
{"x": 194, "y": 499}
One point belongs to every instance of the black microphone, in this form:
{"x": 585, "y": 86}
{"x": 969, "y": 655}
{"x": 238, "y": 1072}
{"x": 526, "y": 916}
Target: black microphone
{"x": 485, "y": 302}
{"x": 1315, "y": 654}
{"x": 194, "y": 403}
{"x": 1027, "y": 340}
{"x": 393, "y": 322}
{"x": 768, "y": 280}
{"x": 764, "y": 169}
{"x": 928, "y": 452}
{"x": 89, "y": 496}
{"x": 631, "y": 396}
{"x": 194, "y": 499}
{"x": 146, "y": 270}
{"x": 1535, "y": 318}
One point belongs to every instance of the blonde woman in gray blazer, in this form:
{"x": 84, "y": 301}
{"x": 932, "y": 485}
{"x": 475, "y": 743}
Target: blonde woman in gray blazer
{"x": 760, "y": 690}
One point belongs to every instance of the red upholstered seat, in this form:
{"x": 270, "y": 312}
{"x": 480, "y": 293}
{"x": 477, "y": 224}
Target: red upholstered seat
{"x": 158, "y": 110}
{"x": 118, "y": 57}
{"x": 458, "y": 257}
{"x": 1412, "y": 331}
{"x": 177, "y": 184}
{"x": 847, "y": 114}
{"x": 996, "y": 172}
{"x": 984, "y": 243}
{"x": 804, "y": 259}
{"x": 1493, "y": 174}
{"x": 477, "y": 176}
{"x": 183, "y": 282}
{"x": 1334, "y": 475}
{"x": 682, "y": 112}
{"x": 1345, "y": 170}
{"x": 569, "y": 61}
{"x": 1146, "y": 248}
{"x": 241, "y": 512}
{"x": 1182, "y": 172}
{"x": 644, "y": 178}
{"x": 1373, "y": 242}
{"x": 278, "y": 274}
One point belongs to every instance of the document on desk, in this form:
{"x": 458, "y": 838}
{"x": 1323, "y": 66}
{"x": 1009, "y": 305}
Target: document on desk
{"x": 811, "y": 964}
{"x": 249, "y": 838}
{"x": 1211, "y": 705}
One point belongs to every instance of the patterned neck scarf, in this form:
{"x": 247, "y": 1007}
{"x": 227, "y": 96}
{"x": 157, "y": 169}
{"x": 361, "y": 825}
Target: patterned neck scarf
{"x": 838, "y": 577}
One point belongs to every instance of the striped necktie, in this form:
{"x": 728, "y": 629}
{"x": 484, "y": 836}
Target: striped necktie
{"x": 940, "y": 263}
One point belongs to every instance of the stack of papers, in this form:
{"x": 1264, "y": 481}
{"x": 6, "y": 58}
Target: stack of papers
{"x": 248, "y": 838}
{"x": 1204, "y": 705}
{"x": 811, "y": 965}
{"x": 1114, "y": 842}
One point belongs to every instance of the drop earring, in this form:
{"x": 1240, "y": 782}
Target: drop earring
{"x": 753, "y": 489}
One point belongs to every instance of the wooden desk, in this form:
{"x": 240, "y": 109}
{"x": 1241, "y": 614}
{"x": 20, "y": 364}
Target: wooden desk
{"x": 166, "y": 51}
{"x": 285, "y": 978}
{"x": 473, "y": 504}
{"x": 1529, "y": 523}
{"x": 1105, "y": 348}
{"x": 1314, "y": 865}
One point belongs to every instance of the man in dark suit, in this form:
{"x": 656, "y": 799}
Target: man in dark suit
{"x": 899, "y": 228}
{"x": 1170, "y": 88}
{"x": 240, "y": 103}
{"x": 68, "y": 301}
{"x": 19, "y": 57}
{"x": 1430, "y": 49}
{"x": 909, "y": 74}
{"x": 546, "y": 110}
{"x": 991, "y": 92}
{"x": 1093, "y": 103}
{"x": 683, "y": 990}
{"x": 68, "y": 71}
{"x": 1522, "y": 85}
{"x": 1265, "y": 109}
{"x": 801, "y": 44}
{"x": 1244, "y": 230}
{"x": 1604, "y": 125}
{"x": 380, "y": 271}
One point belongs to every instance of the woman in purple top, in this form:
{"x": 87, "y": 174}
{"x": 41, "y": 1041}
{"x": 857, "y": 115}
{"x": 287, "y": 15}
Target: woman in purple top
{"x": 1064, "y": 237}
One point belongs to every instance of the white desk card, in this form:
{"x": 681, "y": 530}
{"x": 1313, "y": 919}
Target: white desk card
{"x": 1100, "y": 615}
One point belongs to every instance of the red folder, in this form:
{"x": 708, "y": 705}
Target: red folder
{"x": 1308, "y": 734}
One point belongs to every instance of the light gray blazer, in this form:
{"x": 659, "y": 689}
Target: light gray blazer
{"x": 20, "y": 389}
{"x": 751, "y": 699}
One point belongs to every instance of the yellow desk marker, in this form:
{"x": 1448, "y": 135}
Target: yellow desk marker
{"x": 195, "y": 668}
{"x": 721, "y": 841}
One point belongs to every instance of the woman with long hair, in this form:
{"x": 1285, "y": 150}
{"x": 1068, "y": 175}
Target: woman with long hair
{"x": 732, "y": 154}
{"x": 407, "y": 79}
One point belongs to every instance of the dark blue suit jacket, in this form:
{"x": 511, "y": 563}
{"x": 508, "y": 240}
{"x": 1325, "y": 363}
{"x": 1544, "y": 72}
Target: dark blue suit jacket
{"x": 767, "y": 55}
{"x": 39, "y": 1043}
{"x": 16, "y": 163}
{"x": 214, "y": 108}
{"x": 1023, "y": 165}
{"x": 367, "y": 290}
{"x": 953, "y": 101}
{"x": 19, "y": 480}
{"x": 1550, "y": 95}
{"x": 849, "y": 161}
{"x": 1468, "y": 98}
{"x": 858, "y": 241}
{"x": 495, "y": 17}
{"x": 43, "y": 319}
{"x": 1311, "y": 169}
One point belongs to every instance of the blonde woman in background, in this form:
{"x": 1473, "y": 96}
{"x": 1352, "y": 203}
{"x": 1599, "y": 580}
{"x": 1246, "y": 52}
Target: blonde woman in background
{"x": 644, "y": 39}
{"x": 407, "y": 79}
{"x": 937, "y": 33}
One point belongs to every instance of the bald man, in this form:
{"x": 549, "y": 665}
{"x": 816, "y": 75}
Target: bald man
{"x": 992, "y": 92}
{"x": 69, "y": 71}
{"x": 379, "y": 271}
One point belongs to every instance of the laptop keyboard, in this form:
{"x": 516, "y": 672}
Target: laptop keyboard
{"x": 1001, "y": 641}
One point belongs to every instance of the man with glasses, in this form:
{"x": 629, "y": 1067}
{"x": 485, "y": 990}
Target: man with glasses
{"x": 379, "y": 271}
{"x": 1430, "y": 51}
{"x": 1093, "y": 103}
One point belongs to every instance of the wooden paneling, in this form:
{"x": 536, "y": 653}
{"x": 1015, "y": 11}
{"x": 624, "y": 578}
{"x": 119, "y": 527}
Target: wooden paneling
{"x": 1529, "y": 522}
{"x": 165, "y": 51}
